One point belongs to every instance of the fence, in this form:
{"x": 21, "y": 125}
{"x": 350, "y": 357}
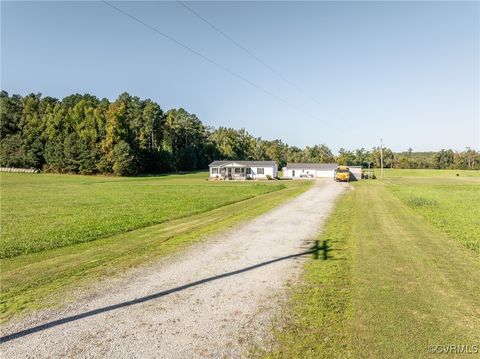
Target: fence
{"x": 20, "y": 170}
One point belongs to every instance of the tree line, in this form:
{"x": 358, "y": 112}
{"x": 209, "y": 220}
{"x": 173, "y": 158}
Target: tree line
{"x": 86, "y": 135}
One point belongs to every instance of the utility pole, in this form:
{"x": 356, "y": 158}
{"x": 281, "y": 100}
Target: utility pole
{"x": 381, "y": 158}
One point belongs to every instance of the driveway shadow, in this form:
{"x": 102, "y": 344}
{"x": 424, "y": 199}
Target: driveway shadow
{"x": 324, "y": 249}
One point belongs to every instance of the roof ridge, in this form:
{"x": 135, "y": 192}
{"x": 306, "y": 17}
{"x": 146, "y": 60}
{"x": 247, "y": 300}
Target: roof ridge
{"x": 243, "y": 161}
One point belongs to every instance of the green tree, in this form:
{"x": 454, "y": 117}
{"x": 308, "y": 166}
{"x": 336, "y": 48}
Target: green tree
{"x": 185, "y": 140}
{"x": 295, "y": 155}
{"x": 115, "y": 131}
{"x": 123, "y": 162}
{"x": 319, "y": 153}
{"x": 444, "y": 159}
{"x": 345, "y": 157}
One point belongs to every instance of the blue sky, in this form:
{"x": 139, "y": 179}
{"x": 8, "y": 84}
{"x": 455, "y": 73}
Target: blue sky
{"x": 407, "y": 72}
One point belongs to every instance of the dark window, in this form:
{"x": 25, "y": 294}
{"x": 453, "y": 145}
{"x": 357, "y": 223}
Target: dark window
{"x": 249, "y": 171}
{"x": 260, "y": 171}
{"x": 214, "y": 170}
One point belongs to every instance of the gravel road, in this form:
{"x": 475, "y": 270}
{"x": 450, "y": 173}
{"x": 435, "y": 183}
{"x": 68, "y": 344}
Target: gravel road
{"x": 214, "y": 300}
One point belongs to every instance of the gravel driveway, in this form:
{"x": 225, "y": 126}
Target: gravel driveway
{"x": 214, "y": 300}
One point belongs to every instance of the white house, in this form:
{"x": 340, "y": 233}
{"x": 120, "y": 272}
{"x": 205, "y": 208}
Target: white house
{"x": 309, "y": 170}
{"x": 317, "y": 170}
{"x": 242, "y": 170}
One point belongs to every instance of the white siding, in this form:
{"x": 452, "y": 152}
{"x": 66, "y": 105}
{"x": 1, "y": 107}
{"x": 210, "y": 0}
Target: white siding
{"x": 325, "y": 173}
{"x": 214, "y": 175}
{"x": 307, "y": 173}
{"x": 271, "y": 171}
{"x": 322, "y": 173}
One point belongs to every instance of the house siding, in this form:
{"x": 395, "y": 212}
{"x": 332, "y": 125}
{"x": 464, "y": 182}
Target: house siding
{"x": 325, "y": 173}
{"x": 269, "y": 169}
{"x": 309, "y": 170}
{"x": 308, "y": 173}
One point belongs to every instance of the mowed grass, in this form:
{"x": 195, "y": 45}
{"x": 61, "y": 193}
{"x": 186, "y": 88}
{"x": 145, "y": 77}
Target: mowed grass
{"x": 393, "y": 284}
{"x": 450, "y": 203}
{"x": 46, "y": 211}
{"x": 55, "y": 276}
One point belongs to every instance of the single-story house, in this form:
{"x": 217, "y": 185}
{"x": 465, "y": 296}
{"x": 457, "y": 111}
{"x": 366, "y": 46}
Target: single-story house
{"x": 242, "y": 170}
{"x": 317, "y": 170}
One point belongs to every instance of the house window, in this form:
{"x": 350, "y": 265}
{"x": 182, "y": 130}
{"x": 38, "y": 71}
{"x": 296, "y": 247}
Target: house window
{"x": 260, "y": 171}
{"x": 249, "y": 171}
{"x": 214, "y": 171}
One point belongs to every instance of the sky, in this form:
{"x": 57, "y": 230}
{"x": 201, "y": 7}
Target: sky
{"x": 345, "y": 74}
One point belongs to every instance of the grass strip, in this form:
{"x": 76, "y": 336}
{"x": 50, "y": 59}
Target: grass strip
{"x": 393, "y": 286}
{"x": 314, "y": 322}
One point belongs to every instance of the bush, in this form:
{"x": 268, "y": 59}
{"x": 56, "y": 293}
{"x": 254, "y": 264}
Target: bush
{"x": 269, "y": 177}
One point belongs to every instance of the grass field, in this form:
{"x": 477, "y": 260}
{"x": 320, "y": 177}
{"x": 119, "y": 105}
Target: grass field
{"x": 452, "y": 204}
{"x": 61, "y": 232}
{"x": 398, "y": 277}
{"x": 46, "y": 211}
{"x": 426, "y": 173}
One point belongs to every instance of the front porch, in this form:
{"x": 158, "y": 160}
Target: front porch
{"x": 234, "y": 172}
{"x": 231, "y": 172}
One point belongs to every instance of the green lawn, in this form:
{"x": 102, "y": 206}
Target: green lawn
{"x": 108, "y": 224}
{"x": 450, "y": 204}
{"x": 395, "y": 281}
{"x": 46, "y": 211}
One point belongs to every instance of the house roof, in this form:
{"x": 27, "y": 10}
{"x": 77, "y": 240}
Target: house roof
{"x": 245, "y": 163}
{"x": 311, "y": 166}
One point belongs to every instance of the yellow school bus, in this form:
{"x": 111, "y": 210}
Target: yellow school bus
{"x": 342, "y": 174}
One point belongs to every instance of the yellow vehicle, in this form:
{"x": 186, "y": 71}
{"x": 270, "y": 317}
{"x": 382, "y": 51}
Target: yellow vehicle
{"x": 342, "y": 174}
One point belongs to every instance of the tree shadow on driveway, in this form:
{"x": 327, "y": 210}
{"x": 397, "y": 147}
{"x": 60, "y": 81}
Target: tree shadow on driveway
{"x": 315, "y": 249}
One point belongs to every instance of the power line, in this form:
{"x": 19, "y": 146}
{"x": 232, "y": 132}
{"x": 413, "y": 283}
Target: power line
{"x": 213, "y": 62}
{"x": 251, "y": 54}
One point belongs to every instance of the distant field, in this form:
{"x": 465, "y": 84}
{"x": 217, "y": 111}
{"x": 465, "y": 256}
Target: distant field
{"x": 46, "y": 211}
{"x": 397, "y": 273}
{"x": 428, "y": 173}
